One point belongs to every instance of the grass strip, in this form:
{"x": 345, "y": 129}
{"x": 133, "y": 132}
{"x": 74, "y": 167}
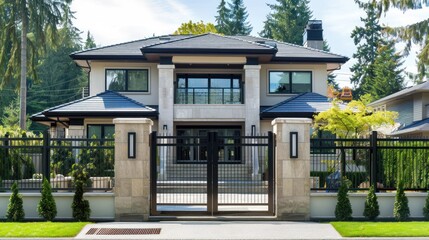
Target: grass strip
{"x": 40, "y": 229}
{"x": 382, "y": 229}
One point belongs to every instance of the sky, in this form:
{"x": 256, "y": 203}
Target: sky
{"x": 117, "y": 21}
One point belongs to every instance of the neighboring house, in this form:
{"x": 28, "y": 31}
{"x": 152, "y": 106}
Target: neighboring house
{"x": 412, "y": 104}
{"x": 189, "y": 84}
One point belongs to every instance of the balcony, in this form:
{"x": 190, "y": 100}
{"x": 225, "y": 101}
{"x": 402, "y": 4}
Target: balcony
{"x": 208, "y": 96}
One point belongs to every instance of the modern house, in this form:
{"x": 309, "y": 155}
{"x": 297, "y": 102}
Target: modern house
{"x": 188, "y": 84}
{"x": 412, "y": 104}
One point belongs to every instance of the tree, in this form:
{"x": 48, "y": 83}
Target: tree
{"x": 89, "y": 42}
{"x": 343, "y": 209}
{"x": 196, "y": 28}
{"x": 417, "y": 33}
{"x": 331, "y": 76}
{"x": 32, "y": 21}
{"x": 371, "y": 210}
{"x": 80, "y": 207}
{"x": 15, "y": 209}
{"x": 223, "y": 23}
{"x": 401, "y": 211}
{"x": 238, "y": 19}
{"x": 287, "y": 21}
{"x": 47, "y": 207}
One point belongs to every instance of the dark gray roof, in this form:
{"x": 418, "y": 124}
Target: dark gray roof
{"x": 423, "y": 87}
{"x": 106, "y": 104}
{"x": 209, "y": 43}
{"x": 302, "y": 105}
{"x": 414, "y": 127}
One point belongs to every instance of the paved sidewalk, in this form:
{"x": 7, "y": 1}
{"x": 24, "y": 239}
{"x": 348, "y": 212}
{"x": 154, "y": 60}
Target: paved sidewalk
{"x": 218, "y": 230}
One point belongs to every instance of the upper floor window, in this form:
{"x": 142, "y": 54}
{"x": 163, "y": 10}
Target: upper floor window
{"x": 127, "y": 80}
{"x": 208, "y": 89}
{"x": 284, "y": 82}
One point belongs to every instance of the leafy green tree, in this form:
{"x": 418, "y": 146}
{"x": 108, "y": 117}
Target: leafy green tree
{"x": 426, "y": 208}
{"x": 47, "y": 207}
{"x": 15, "y": 209}
{"x": 27, "y": 24}
{"x": 196, "y": 28}
{"x": 371, "y": 210}
{"x": 343, "y": 209}
{"x": 417, "y": 33}
{"x": 287, "y": 21}
{"x": 238, "y": 19}
{"x": 223, "y": 23}
{"x": 401, "y": 211}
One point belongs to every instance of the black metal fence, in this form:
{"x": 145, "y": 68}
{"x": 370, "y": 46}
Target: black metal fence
{"x": 28, "y": 160}
{"x": 381, "y": 162}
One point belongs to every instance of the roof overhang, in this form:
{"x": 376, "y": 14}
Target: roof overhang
{"x": 412, "y": 130}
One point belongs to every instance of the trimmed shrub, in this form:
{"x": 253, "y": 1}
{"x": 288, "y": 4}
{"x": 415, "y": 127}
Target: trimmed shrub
{"x": 15, "y": 209}
{"x": 401, "y": 211}
{"x": 426, "y": 208}
{"x": 47, "y": 207}
{"x": 343, "y": 209}
{"x": 372, "y": 210}
{"x": 80, "y": 206}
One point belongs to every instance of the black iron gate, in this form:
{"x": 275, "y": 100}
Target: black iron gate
{"x": 212, "y": 175}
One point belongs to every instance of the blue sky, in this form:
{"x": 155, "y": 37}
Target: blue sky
{"x": 113, "y": 21}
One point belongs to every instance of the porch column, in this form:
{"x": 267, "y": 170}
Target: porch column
{"x": 166, "y": 97}
{"x": 252, "y": 96}
{"x": 132, "y": 175}
{"x": 292, "y": 174}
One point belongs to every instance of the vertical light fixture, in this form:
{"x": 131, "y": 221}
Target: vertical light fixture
{"x": 253, "y": 131}
{"x": 165, "y": 127}
{"x": 293, "y": 144}
{"x": 131, "y": 145}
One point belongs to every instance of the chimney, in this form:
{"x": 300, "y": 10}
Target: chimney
{"x": 313, "y": 35}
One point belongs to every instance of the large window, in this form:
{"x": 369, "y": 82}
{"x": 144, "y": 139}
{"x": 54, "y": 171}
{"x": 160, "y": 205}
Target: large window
{"x": 284, "y": 82}
{"x": 208, "y": 89}
{"x": 127, "y": 80}
{"x": 100, "y": 131}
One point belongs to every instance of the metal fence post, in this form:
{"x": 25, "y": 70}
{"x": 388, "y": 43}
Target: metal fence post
{"x": 374, "y": 160}
{"x": 46, "y": 156}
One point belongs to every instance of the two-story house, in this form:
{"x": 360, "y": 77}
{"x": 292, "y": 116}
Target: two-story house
{"x": 412, "y": 104}
{"x": 189, "y": 84}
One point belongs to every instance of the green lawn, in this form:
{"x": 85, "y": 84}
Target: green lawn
{"x": 40, "y": 229}
{"x": 382, "y": 229}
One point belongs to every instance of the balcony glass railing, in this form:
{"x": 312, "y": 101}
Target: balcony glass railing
{"x": 208, "y": 96}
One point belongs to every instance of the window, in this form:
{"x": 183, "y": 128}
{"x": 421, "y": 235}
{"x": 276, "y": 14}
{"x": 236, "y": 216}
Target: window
{"x": 100, "y": 131}
{"x": 208, "y": 89}
{"x": 284, "y": 82}
{"x": 127, "y": 80}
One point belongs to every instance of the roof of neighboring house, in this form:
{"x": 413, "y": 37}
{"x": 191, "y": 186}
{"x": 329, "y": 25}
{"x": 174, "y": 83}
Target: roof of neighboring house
{"x": 209, "y": 43}
{"x": 106, "y": 104}
{"x": 417, "y": 126}
{"x": 302, "y": 105}
{"x": 423, "y": 87}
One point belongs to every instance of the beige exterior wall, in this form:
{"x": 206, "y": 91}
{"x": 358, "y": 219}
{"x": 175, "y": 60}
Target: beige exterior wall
{"x": 202, "y": 113}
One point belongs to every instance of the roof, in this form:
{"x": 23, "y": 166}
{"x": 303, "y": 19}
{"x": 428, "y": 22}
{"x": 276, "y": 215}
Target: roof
{"x": 423, "y": 87}
{"x": 302, "y": 105}
{"x": 416, "y": 126}
{"x": 106, "y": 104}
{"x": 209, "y": 43}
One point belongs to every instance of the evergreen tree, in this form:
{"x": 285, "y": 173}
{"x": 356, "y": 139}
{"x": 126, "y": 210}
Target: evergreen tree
{"x": 47, "y": 207}
{"x": 287, "y": 21}
{"x": 331, "y": 76}
{"x": 238, "y": 19}
{"x": 401, "y": 211}
{"x": 426, "y": 208}
{"x": 15, "y": 209}
{"x": 89, "y": 42}
{"x": 223, "y": 23}
{"x": 343, "y": 209}
{"x": 80, "y": 207}
{"x": 367, "y": 39}
{"x": 372, "y": 210}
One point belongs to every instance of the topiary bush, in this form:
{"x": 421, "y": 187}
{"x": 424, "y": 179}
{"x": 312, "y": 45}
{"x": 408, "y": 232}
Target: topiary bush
{"x": 401, "y": 211}
{"x": 80, "y": 206}
{"x": 47, "y": 207}
{"x": 372, "y": 210}
{"x": 426, "y": 208}
{"x": 15, "y": 209}
{"x": 343, "y": 209}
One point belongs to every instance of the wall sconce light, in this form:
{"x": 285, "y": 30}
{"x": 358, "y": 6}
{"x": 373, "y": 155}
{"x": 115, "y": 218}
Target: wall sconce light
{"x": 253, "y": 132}
{"x": 293, "y": 144}
{"x": 165, "y": 127}
{"x": 131, "y": 145}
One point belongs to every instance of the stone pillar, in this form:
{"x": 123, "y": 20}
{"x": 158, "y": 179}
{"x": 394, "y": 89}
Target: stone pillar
{"x": 132, "y": 175}
{"x": 166, "y": 97}
{"x": 252, "y": 96}
{"x": 292, "y": 174}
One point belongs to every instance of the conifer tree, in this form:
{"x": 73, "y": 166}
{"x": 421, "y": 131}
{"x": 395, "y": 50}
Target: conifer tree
{"x": 47, "y": 207}
{"x": 401, "y": 211}
{"x": 223, "y": 19}
{"x": 15, "y": 209}
{"x": 238, "y": 18}
{"x": 372, "y": 210}
{"x": 331, "y": 76}
{"x": 343, "y": 209}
